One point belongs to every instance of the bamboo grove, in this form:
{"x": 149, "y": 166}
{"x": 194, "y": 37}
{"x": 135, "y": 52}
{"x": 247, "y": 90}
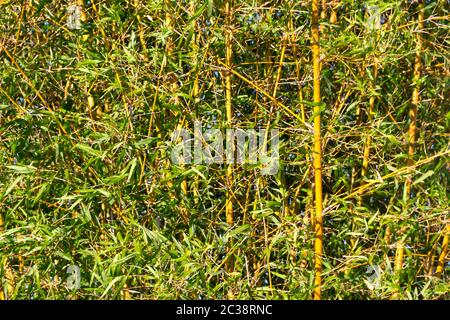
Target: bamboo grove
{"x": 359, "y": 91}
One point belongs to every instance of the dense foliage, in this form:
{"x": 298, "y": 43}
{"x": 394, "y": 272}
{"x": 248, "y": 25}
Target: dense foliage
{"x": 86, "y": 118}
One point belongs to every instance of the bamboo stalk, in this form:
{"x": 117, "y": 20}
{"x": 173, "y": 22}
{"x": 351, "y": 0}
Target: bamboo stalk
{"x": 333, "y": 15}
{"x": 9, "y": 279}
{"x": 196, "y": 87}
{"x": 323, "y": 13}
{"x": 289, "y": 207}
{"x": 168, "y": 24}
{"x": 283, "y": 188}
{"x": 140, "y": 29}
{"x": 175, "y": 100}
{"x": 2, "y": 296}
{"x": 368, "y": 136}
{"x": 229, "y": 111}
{"x": 442, "y": 256}
{"x": 317, "y": 153}
{"x": 366, "y": 153}
{"x": 415, "y": 96}
{"x": 83, "y": 17}
{"x": 412, "y": 126}
{"x": 194, "y": 45}
{"x": 297, "y": 64}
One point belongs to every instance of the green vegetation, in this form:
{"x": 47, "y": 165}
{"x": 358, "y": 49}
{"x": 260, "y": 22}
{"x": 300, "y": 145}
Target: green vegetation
{"x": 86, "y": 118}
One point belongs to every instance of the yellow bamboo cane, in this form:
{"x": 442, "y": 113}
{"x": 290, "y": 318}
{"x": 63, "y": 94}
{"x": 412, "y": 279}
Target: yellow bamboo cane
{"x": 412, "y": 126}
{"x": 141, "y": 30}
{"x": 196, "y": 87}
{"x": 229, "y": 110}
{"x": 324, "y": 9}
{"x": 317, "y": 153}
{"x": 441, "y": 260}
{"x": 2, "y": 296}
{"x": 333, "y": 15}
{"x": 83, "y": 17}
{"x": 415, "y": 96}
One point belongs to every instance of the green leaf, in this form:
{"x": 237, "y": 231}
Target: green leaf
{"x": 41, "y": 192}
{"x": 241, "y": 229}
{"x": 133, "y": 166}
{"x": 423, "y": 177}
{"x": 11, "y": 186}
{"x": 23, "y": 169}
{"x": 87, "y": 149}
